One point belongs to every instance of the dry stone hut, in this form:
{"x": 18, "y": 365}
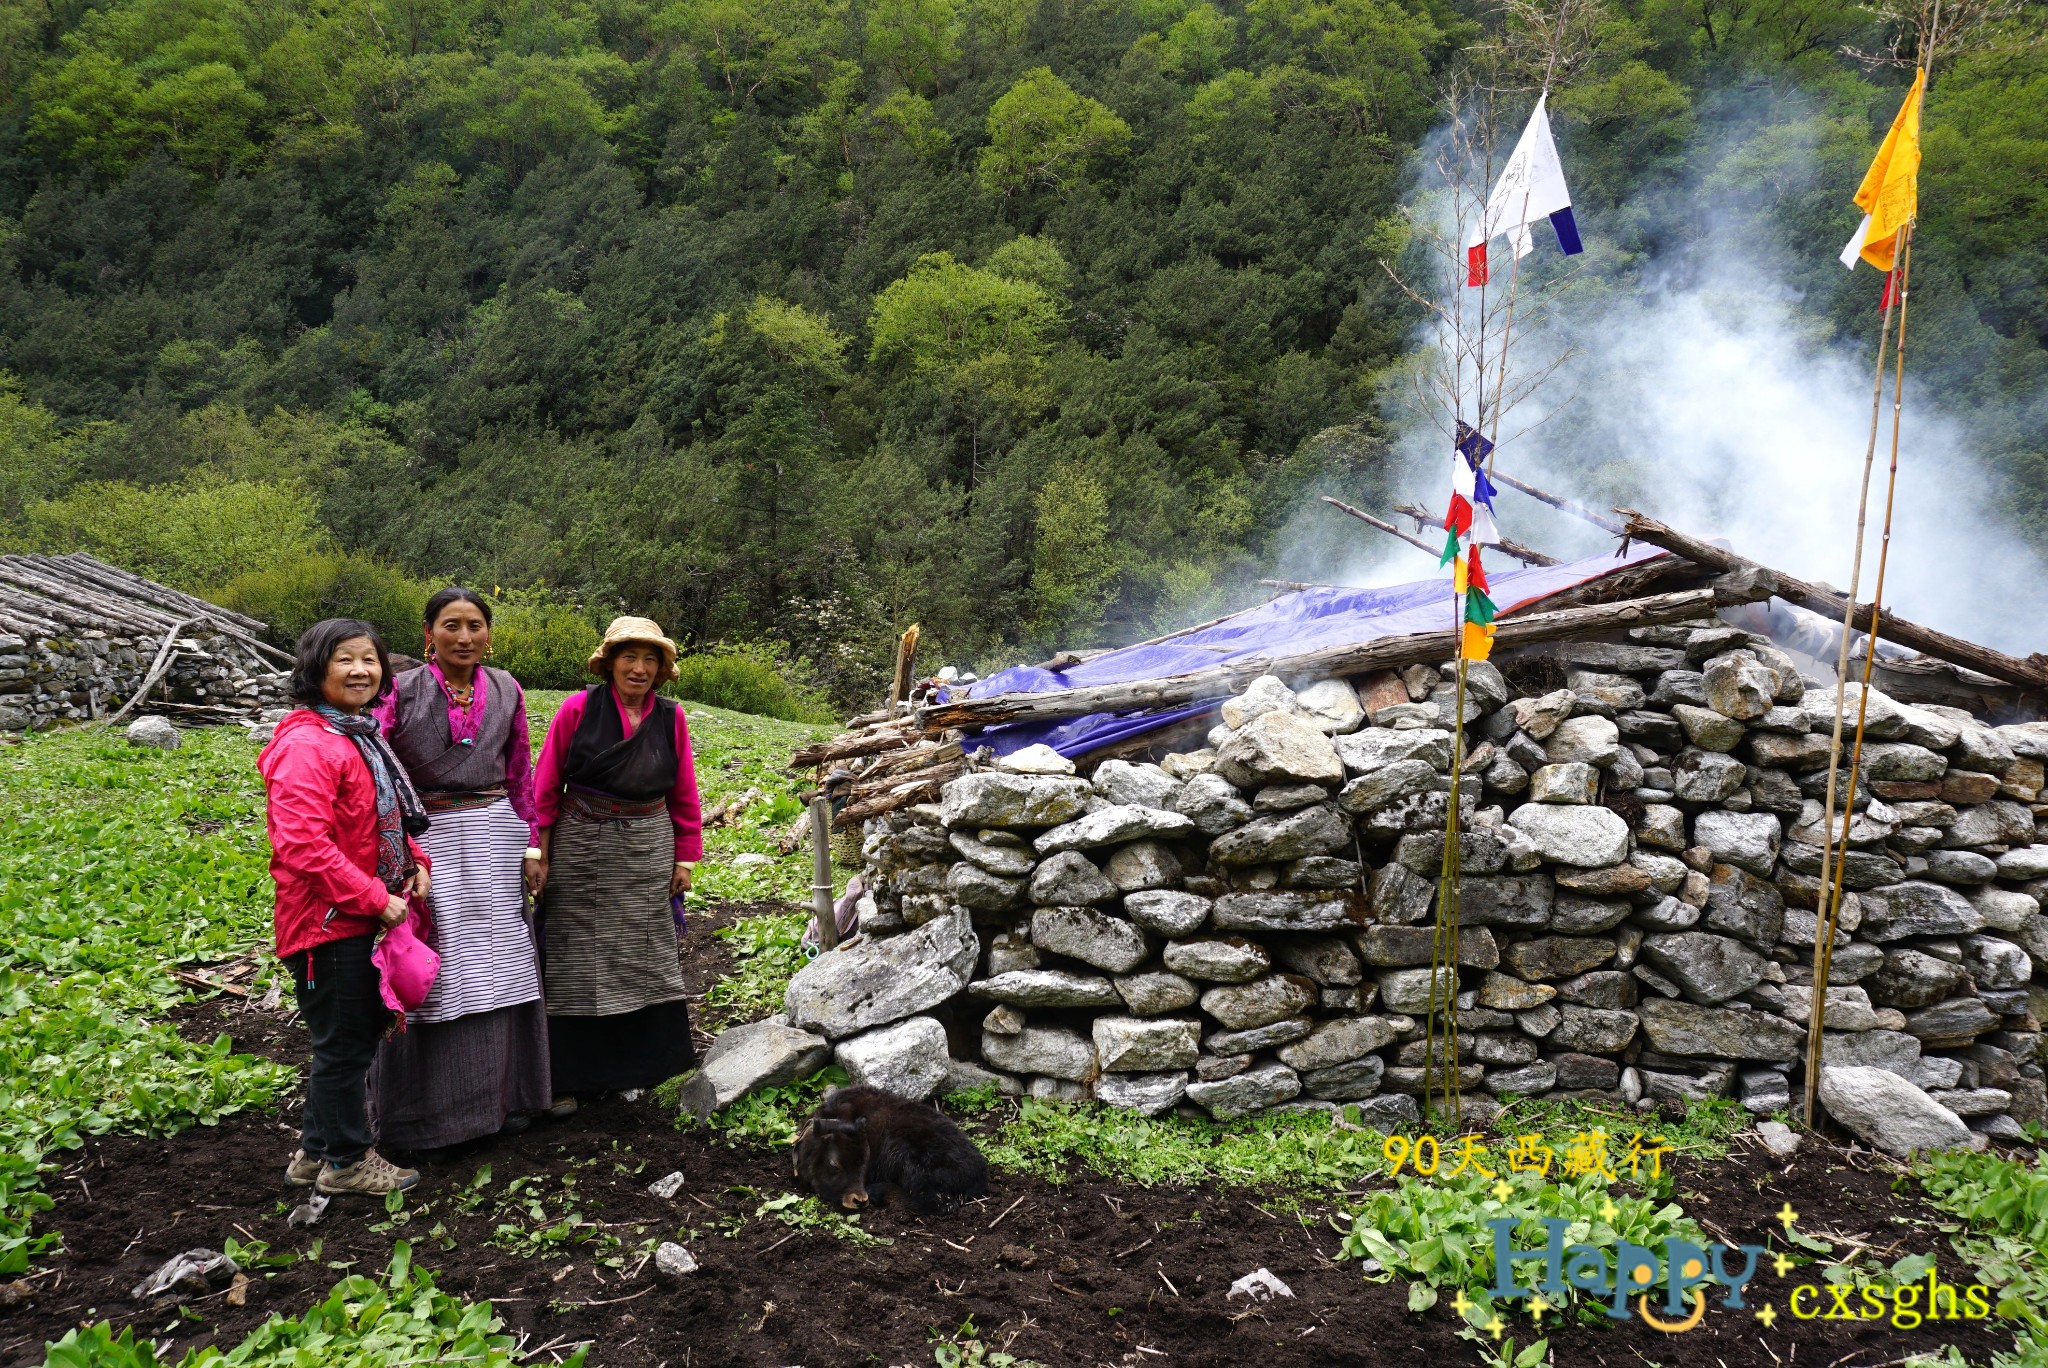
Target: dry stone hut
{"x": 1214, "y": 887}
{"x": 79, "y": 639}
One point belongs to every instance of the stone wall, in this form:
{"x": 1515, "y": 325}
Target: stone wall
{"x": 1248, "y": 925}
{"x": 73, "y": 678}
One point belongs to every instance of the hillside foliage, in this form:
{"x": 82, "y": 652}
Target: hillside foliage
{"x": 800, "y": 320}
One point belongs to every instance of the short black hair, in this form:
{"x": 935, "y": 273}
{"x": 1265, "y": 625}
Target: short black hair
{"x": 317, "y": 645}
{"x": 454, "y": 593}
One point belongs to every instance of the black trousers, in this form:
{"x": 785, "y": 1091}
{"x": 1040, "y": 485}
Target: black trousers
{"x": 346, "y": 1016}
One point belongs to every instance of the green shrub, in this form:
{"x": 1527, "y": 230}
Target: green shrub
{"x": 294, "y": 594}
{"x": 543, "y": 645}
{"x": 751, "y": 677}
{"x": 198, "y": 532}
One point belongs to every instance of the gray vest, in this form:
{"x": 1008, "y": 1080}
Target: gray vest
{"x": 420, "y": 736}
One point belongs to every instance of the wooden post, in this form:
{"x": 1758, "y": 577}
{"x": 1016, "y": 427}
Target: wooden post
{"x": 906, "y": 656}
{"x": 821, "y": 870}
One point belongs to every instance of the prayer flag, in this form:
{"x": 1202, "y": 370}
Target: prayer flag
{"x": 1890, "y": 194}
{"x": 1530, "y": 187}
{"x": 1477, "y": 643}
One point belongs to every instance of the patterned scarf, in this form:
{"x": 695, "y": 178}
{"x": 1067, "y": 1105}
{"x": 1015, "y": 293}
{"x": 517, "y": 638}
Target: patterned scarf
{"x": 399, "y": 813}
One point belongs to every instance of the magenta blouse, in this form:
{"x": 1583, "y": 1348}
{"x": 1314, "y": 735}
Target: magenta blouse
{"x": 683, "y": 809}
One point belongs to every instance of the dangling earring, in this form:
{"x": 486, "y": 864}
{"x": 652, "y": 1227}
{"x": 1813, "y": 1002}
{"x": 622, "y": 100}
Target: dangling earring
{"x": 430, "y": 650}
{"x": 490, "y": 651}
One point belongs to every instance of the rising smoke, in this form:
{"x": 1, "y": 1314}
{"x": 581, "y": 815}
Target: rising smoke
{"x": 1699, "y": 392}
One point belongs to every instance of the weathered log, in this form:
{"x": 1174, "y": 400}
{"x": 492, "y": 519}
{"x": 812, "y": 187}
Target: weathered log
{"x": 161, "y": 595}
{"x": 1382, "y": 524}
{"x": 851, "y": 745}
{"x": 2033, "y": 671}
{"x": 1525, "y": 554}
{"x": 908, "y": 789}
{"x": 1563, "y": 505}
{"x": 1353, "y": 659}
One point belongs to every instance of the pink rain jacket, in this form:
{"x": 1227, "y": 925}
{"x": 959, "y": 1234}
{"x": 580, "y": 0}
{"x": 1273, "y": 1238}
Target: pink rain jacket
{"x": 323, "y": 835}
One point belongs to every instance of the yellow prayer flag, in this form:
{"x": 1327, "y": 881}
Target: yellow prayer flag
{"x": 1478, "y": 642}
{"x": 1890, "y": 193}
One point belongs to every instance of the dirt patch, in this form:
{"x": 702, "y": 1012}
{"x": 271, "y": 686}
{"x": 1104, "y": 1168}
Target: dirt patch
{"x": 1092, "y": 1272}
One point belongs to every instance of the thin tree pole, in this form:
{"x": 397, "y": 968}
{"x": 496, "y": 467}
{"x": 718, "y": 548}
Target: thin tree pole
{"x": 1828, "y": 896}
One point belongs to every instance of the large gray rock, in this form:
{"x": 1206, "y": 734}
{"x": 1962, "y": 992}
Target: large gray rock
{"x": 1337, "y": 1042}
{"x": 1500, "y": 900}
{"x": 1379, "y": 789}
{"x": 1996, "y": 963}
{"x": 2025, "y": 862}
{"x": 996, "y": 799}
{"x": 1257, "y": 1088}
{"x": 1049, "y": 1051}
{"x": 1739, "y": 685}
{"x": 1226, "y": 1043}
{"x": 907, "y": 1058}
{"x": 1402, "y": 947}
{"x": 1894, "y": 1051}
{"x": 1408, "y": 990}
{"x": 1400, "y": 896}
{"x": 1957, "y": 1021}
{"x": 1902, "y": 762}
{"x": 1365, "y": 752}
{"x": 1217, "y": 959}
{"x": 1685, "y": 1028}
{"x": 1740, "y": 904}
{"x": 1212, "y": 803}
{"x": 1047, "y": 988}
{"x": 1332, "y": 705}
{"x": 1747, "y": 840}
{"x": 1593, "y": 837}
{"x": 1292, "y": 910}
{"x": 1326, "y": 959}
{"x": 1572, "y": 781}
{"x": 1888, "y": 1112}
{"x": 1146, "y": 1044}
{"x": 1284, "y": 836}
{"x": 1594, "y": 741}
{"x": 1136, "y": 784}
{"x": 1113, "y": 825}
{"x": 1090, "y": 936}
{"x": 1148, "y": 1094}
{"x": 1069, "y": 879}
{"x": 1347, "y": 1082}
{"x": 871, "y": 983}
{"x": 1708, "y": 968}
{"x": 1915, "y": 908}
{"x": 153, "y": 732}
{"x": 1555, "y": 957}
{"x": 1267, "y": 693}
{"x": 1142, "y": 865}
{"x": 1155, "y": 993}
{"x": 1243, "y": 1006}
{"x": 1575, "y": 914}
{"x": 1167, "y": 912}
{"x": 1913, "y": 978}
{"x": 1998, "y": 822}
{"x": 1708, "y": 729}
{"x": 1009, "y": 861}
{"x": 1704, "y": 776}
{"x": 1592, "y": 1030}
{"x": 745, "y": 1059}
{"x": 1279, "y": 748}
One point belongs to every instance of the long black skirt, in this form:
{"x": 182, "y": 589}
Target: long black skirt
{"x": 592, "y": 1054}
{"x": 441, "y": 1083}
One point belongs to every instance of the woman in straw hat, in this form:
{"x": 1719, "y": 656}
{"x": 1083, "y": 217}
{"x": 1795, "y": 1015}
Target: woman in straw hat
{"x": 617, "y": 834}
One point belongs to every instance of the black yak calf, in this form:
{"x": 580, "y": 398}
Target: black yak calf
{"x": 865, "y": 1140}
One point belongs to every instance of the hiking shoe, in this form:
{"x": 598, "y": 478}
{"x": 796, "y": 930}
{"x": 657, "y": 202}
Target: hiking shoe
{"x": 370, "y": 1176}
{"x": 518, "y": 1123}
{"x": 564, "y": 1108}
{"x": 303, "y": 1170}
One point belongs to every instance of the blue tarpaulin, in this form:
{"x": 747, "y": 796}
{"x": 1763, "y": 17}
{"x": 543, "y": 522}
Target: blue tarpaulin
{"x": 1306, "y": 620}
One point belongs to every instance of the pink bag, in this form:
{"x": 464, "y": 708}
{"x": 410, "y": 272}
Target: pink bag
{"x": 406, "y": 965}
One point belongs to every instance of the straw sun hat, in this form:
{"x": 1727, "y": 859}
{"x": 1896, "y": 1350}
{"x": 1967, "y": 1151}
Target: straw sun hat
{"x": 626, "y": 631}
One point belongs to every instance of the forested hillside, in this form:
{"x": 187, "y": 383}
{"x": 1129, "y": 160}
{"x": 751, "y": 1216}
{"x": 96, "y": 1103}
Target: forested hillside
{"x": 799, "y": 320}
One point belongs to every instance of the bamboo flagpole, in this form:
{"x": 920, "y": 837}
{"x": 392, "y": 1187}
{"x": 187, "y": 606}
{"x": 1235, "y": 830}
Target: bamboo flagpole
{"x": 1834, "y": 852}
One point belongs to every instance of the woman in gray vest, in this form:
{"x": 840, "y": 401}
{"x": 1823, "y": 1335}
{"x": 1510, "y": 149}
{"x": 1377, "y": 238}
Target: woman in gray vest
{"x": 473, "y": 1058}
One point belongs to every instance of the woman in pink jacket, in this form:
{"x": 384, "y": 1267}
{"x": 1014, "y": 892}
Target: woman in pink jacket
{"x": 342, "y": 819}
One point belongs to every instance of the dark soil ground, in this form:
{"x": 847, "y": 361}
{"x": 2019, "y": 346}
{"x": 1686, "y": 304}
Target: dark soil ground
{"x": 1089, "y": 1272}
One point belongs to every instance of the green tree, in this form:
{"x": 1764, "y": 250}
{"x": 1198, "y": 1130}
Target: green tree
{"x": 37, "y": 459}
{"x": 1074, "y": 565}
{"x": 912, "y": 40}
{"x": 1042, "y": 133}
{"x": 946, "y": 315}
{"x": 194, "y": 535}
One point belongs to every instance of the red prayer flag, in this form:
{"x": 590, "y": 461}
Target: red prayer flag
{"x": 1475, "y": 264}
{"x": 1475, "y": 573}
